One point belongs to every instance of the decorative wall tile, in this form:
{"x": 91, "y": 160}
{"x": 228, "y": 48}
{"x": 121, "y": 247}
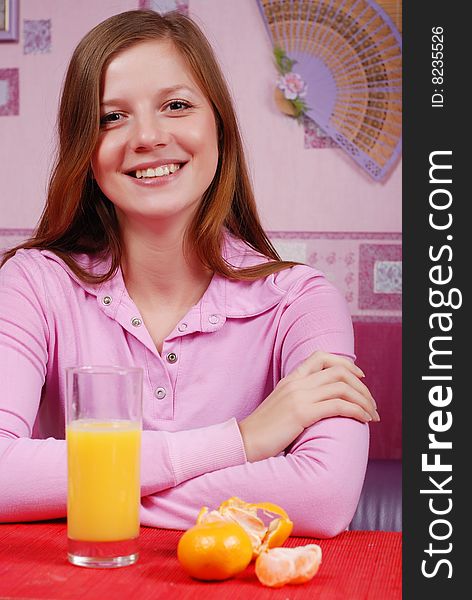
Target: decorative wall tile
{"x": 9, "y": 92}
{"x": 4, "y": 91}
{"x": 163, "y": 6}
{"x": 375, "y": 260}
{"x": 387, "y": 277}
{"x": 37, "y": 36}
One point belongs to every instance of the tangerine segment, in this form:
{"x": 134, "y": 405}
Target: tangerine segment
{"x": 214, "y": 551}
{"x": 279, "y": 566}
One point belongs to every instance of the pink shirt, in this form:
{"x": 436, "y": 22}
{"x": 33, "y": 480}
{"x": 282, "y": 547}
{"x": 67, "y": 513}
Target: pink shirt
{"x": 232, "y": 348}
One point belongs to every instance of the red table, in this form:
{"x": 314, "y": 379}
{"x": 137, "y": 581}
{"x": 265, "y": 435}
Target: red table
{"x": 356, "y": 565}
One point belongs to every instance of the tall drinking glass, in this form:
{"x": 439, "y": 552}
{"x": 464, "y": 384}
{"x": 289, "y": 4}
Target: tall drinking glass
{"x": 103, "y": 432}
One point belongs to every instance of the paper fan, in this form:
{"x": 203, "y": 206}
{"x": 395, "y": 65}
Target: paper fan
{"x": 348, "y": 56}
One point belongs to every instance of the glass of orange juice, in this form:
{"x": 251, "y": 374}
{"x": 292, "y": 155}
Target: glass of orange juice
{"x": 103, "y": 432}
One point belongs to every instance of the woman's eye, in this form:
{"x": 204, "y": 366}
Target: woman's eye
{"x": 178, "y": 105}
{"x": 112, "y": 117}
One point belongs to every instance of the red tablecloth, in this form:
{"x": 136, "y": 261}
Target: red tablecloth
{"x": 356, "y": 565}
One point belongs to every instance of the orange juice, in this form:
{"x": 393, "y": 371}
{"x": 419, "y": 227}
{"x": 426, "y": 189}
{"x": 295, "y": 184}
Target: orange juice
{"x": 103, "y": 480}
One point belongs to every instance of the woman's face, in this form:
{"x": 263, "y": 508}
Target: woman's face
{"x": 158, "y": 151}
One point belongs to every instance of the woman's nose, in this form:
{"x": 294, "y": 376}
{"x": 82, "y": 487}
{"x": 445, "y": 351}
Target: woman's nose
{"x": 148, "y": 132}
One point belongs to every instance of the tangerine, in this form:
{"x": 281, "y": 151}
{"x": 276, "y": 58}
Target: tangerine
{"x": 277, "y": 566}
{"x": 214, "y": 551}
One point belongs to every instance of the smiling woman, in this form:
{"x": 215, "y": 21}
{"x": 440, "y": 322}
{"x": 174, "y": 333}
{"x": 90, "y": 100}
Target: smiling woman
{"x": 150, "y": 253}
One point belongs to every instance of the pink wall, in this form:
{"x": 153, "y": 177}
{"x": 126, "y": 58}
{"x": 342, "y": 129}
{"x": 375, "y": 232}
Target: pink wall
{"x": 318, "y": 204}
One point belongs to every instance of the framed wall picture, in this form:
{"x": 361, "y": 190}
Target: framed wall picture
{"x": 9, "y": 20}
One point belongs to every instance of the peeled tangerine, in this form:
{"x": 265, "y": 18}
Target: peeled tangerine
{"x": 278, "y": 566}
{"x": 267, "y": 524}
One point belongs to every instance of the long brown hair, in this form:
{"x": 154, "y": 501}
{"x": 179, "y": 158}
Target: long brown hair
{"x": 78, "y": 218}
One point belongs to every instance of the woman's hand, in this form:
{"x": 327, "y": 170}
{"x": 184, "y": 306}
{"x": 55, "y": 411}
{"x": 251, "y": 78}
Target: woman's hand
{"x": 324, "y": 385}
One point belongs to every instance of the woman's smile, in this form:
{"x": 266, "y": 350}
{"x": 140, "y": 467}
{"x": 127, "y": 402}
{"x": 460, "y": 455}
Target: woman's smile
{"x": 157, "y": 173}
{"x": 145, "y": 178}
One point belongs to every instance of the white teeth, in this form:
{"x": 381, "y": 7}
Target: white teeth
{"x": 158, "y": 171}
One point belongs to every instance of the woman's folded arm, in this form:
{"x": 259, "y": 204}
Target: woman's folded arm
{"x": 318, "y": 482}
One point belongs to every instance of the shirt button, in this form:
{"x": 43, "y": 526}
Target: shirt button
{"x": 171, "y": 357}
{"x": 136, "y": 322}
{"x": 160, "y": 393}
{"x": 182, "y": 327}
{"x": 214, "y": 319}
{"x": 107, "y": 300}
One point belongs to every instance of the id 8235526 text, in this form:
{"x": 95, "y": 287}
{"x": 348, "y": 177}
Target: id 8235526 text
{"x": 437, "y": 66}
